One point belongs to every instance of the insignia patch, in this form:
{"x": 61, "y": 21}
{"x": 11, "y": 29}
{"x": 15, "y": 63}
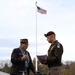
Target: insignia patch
{"x": 58, "y": 45}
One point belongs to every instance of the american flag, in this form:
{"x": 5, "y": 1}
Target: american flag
{"x": 40, "y": 10}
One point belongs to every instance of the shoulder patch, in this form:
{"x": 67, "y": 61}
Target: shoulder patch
{"x": 58, "y": 45}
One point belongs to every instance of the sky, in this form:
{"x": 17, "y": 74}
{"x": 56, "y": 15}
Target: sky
{"x": 20, "y": 19}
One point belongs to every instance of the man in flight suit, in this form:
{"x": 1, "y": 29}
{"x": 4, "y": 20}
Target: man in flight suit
{"x": 55, "y": 52}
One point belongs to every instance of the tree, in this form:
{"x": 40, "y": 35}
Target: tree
{"x": 6, "y": 68}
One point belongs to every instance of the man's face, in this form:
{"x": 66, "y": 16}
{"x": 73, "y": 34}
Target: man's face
{"x": 24, "y": 46}
{"x": 50, "y": 38}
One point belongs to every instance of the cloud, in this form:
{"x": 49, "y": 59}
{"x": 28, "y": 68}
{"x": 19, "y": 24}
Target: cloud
{"x": 18, "y": 20}
{"x": 5, "y": 53}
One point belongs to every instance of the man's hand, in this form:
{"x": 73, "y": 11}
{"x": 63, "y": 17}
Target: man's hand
{"x": 25, "y": 57}
{"x": 35, "y": 72}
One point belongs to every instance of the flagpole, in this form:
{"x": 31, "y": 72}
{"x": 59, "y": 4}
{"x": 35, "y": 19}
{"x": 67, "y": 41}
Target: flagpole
{"x": 42, "y": 11}
{"x": 36, "y": 36}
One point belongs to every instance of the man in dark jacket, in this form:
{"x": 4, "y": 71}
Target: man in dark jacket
{"x": 54, "y": 54}
{"x": 21, "y": 60}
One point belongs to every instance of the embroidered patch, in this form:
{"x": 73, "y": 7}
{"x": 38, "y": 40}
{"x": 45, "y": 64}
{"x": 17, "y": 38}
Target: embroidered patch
{"x": 58, "y": 45}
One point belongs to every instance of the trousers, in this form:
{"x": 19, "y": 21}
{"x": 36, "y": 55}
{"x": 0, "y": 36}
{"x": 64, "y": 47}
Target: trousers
{"x": 54, "y": 71}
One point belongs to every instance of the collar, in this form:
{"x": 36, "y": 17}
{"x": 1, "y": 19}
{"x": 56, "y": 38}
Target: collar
{"x": 54, "y": 42}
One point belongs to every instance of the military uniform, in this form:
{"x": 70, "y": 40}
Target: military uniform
{"x": 17, "y": 64}
{"x": 54, "y": 58}
{"x": 54, "y": 54}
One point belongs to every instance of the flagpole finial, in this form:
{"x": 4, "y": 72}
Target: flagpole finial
{"x": 36, "y": 3}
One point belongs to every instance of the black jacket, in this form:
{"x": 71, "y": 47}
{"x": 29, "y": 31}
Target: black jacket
{"x": 55, "y": 54}
{"x": 17, "y": 64}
